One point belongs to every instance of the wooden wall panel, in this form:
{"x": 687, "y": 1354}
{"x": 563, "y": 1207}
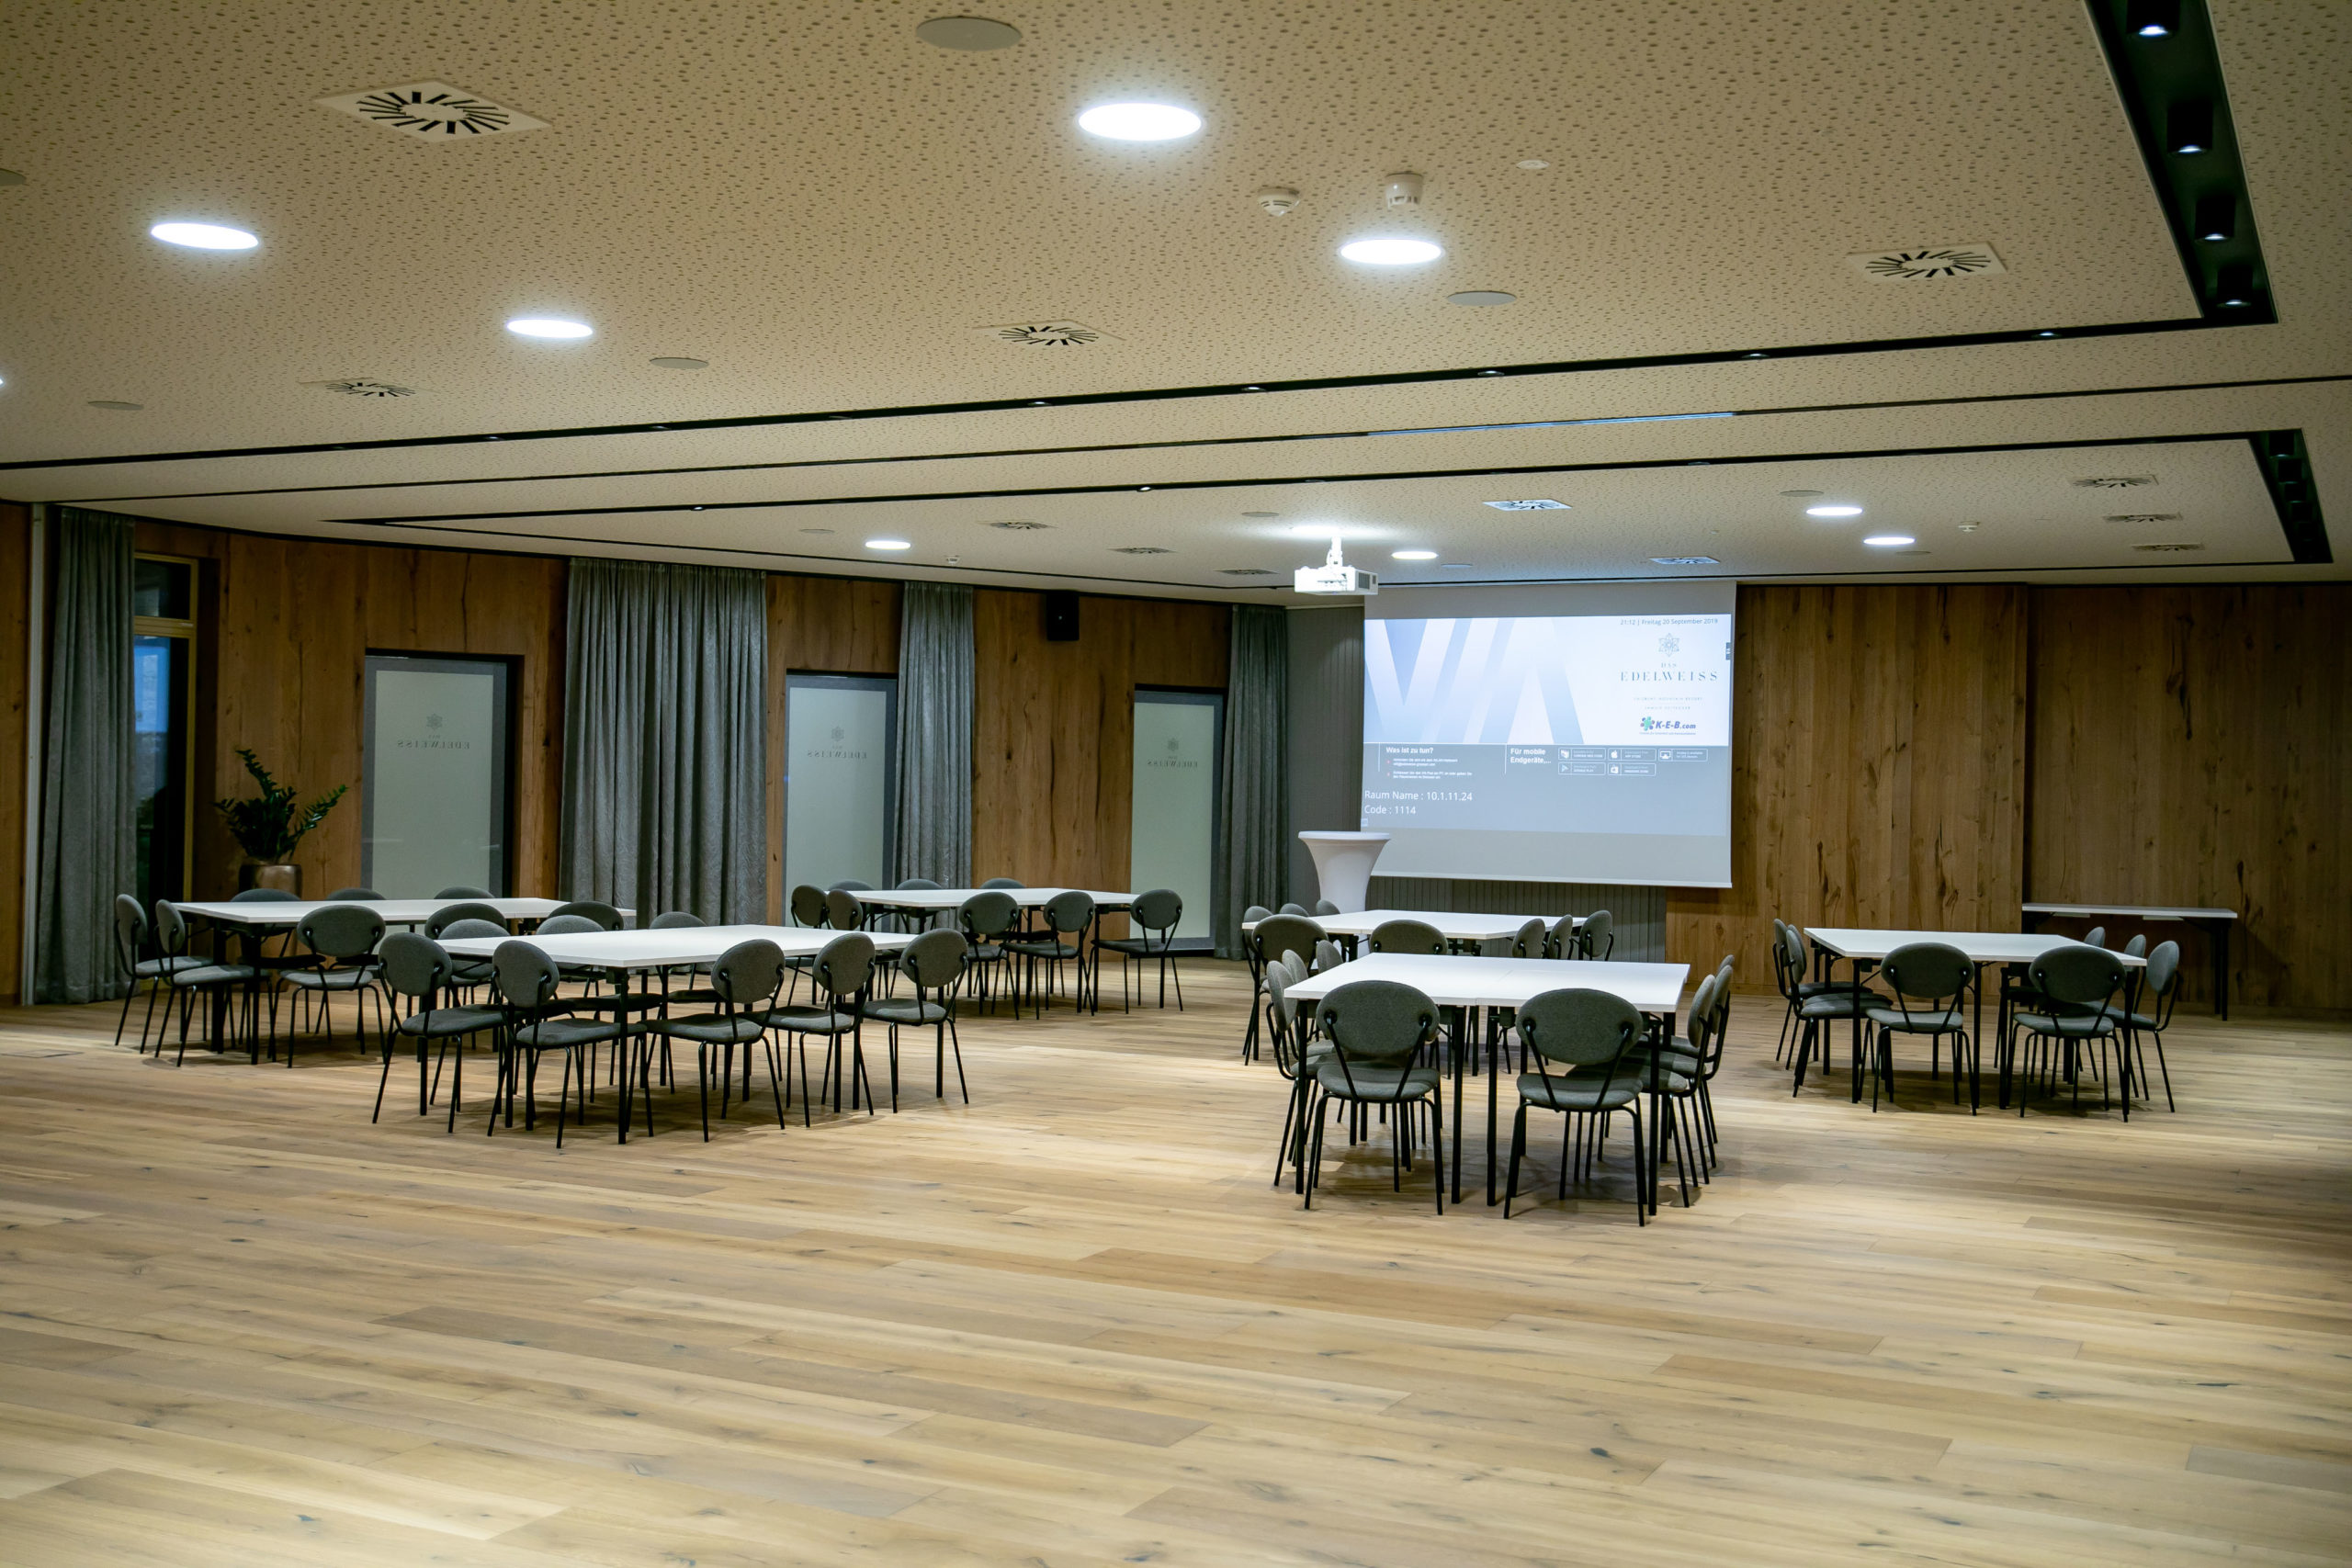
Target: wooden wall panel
{"x": 15, "y": 741}
{"x": 1879, "y": 768}
{"x": 1053, "y": 727}
{"x": 836, "y": 624}
{"x": 290, "y": 622}
{"x": 2191, "y": 746}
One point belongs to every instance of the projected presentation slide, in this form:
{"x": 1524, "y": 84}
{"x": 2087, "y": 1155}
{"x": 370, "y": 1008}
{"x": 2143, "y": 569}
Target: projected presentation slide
{"x": 1587, "y": 748}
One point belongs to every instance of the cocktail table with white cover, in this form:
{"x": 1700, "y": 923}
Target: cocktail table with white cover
{"x": 1982, "y": 948}
{"x": 1473, "y": 982}
{"x": 623, "y": 953}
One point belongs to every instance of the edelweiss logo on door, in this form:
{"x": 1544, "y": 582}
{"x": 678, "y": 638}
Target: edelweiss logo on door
{"x": 431, "y": 740}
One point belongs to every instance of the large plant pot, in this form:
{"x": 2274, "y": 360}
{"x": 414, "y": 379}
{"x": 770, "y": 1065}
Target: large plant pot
{"x": 285, "y": 878}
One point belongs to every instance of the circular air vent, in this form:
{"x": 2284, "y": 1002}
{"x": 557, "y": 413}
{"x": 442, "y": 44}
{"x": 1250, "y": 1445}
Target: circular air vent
{"x": 1142, "y": 550}
{"x": 359, "y": 388}
{"x": 1047, "y": 334}
{"x": 2165, "y": 550}
{"x": 2144, "y": 517}
{"x": 1021, "y": 526}
{"x": 2115, "y": 481}
{"x": 1929, "y": 264}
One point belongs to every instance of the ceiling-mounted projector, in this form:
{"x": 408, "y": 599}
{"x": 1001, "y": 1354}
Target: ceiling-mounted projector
{"x": 1334, "y": 576}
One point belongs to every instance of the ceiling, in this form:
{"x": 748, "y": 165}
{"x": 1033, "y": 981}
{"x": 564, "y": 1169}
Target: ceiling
{"x": 831, "y": 212}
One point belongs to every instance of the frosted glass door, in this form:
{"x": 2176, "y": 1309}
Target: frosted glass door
{"x": 1172, "y": 839}
{"x": 840, "y": 733}
{"x": 433, "y": 801}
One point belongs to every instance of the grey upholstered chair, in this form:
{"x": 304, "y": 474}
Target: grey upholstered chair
{"x": 1377, "y": 1030}
{"x": 936, "y": 963}
{"x": 2077, "y": 985}
{"x": 355, "y": 895}
{"x": 986, "y": 919}
{"x": 1156, "y": 914}
{"x": 417, "y": 973}
{"x": 537, "y": 1022}
{"x": 1408, "y": 936}
{"x": 840, "y": 975}
{"x": 743, "y": 986}
{"x": 341, "y": 940}
{"x": 1596, "y": 938}
{"x": 1927, "y": 981}
{"x": 1593, "y": 1036}
{"x": 1066, "y": 915}
{"x": 605, "y": 916}
{"x": 459, "y": 890}
{"x": 187, "y": 983}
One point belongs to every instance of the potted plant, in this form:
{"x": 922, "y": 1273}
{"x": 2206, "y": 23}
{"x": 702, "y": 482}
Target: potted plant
{"x": 268, "y": 826}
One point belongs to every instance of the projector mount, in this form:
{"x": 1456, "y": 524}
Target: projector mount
{"x": 1334, "y": 576}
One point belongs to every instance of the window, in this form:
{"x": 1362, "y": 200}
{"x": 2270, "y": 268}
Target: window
{"x": 163, "y": 672}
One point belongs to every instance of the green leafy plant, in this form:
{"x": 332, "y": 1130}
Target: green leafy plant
{"x": 268, "y": 826}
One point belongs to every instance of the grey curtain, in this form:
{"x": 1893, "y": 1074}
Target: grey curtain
{"x": 88, "y": 849}
{"x": 934, "y": 810}
{"x": 1251, "y": 792}
{"x": 665, "y": 739}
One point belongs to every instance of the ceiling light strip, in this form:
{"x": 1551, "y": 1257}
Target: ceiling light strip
{"x": 2286, "y": 465}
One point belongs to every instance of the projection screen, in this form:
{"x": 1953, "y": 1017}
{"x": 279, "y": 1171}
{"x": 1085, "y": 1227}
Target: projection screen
{"x": 1553, "y": 734}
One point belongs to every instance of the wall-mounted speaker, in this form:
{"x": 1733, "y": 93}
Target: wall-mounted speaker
{"x": 1061, "y": 616}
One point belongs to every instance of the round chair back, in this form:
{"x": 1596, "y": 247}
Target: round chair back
{"x": 265, "y": 896}
{"x": 809, "y": 905}
{"x": 749, "y": 974}
{"x": 413, "y": 965}
{"x": 935, "y": 959}
{"x": 567, "y": 925}
{"x": 1927, "y": 971}
{"x": 1596, "y": 938}
{"x": 527, "y": 978}
{"x": 1529, "y": 943}
{"x": 988, "y": 915}
{"x": 342, "y": 931}
{"x": 1562, "y": 941}
{"x": 356, "y": 896}
{"x": 1325, "y": 906}
{"x": 1067, "y": 913}
{"x": 2137, "y": 947}
{"x": 605, "y": 917}
{"x": 2164, "y": 968}
{"x": 1326, "y": 956}
{"x": 437, "y": 924}
{"x": 918, "y": 885}
{"x": 130, "y": 930}
{"x": 461, "y": 891}
{"x": 1157, "y": 910}
{"x": 1278, "y": 934}
{"x": 842, "y": 911}
{"x": 171, "y": 929}
{"x": 1003, "y": 882}
{"x": 849, "y": 885}
{"x": 1292, "y": 909}
{"x": 2095, "y": 937}
{"x": 1578, "y": 1027}
{"x": 677, "y": 919}
{"x": 1255, "y": 913}
{"x": 844, "y": 966}
{"x": 2079, "y": 976}
{"x": 1379, "y": 1021}
{"x": 1408, "y": 936}
{"x": 457, "y": 929}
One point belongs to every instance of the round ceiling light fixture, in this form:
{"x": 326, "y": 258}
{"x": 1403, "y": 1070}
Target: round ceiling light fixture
{"x": 204, "y": 236}
{"x": 1480, "y": 297}
{"x": 1833, "y": 511}
{"x": 116, "y": 405}
{"x": 553, "y": 328}
{"x": 1391, "y": 251}
{"x": 973, "y": 33}
{"x": 680, "y": 362}
{"x": 1412, "y": 555}
{"x": 889, "y": 545}
{"x": 1139, "y": 122}
{"x": 1532, "y": 164}
{"x": 1889, "y": 541}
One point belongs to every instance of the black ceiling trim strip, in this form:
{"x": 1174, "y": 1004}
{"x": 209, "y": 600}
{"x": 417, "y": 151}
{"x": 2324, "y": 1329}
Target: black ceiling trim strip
{"x": 2172, "y": 90}
{"x": 1743, "y": 460}
{"x": 2286, "y": 465}
{"x": 1165, "y": 394}
{"x": 1099, "y": 447}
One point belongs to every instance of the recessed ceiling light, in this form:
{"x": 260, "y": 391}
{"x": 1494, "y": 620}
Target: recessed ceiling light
{"x": 1454, "y": 566}
{"x": 2188, "y": 128}
{"x": 1412, "y": 555}
{"x": 549, "y": 327}
{"x": 204, "y": 236}
{"x": 889, "y": 545}
{"x": 1833, "y": 512}
{"x": 1480, "y": 297}
{"x": 2152, "y": 19}
{"x": 116, "y": 406}
{"x": 816, "y": 530}
{"x": 1534, "y": 163}
{"x": 1391, "y": 252}
{"x": 967, "y": 33}
{"x": 1800, "y": 492}
{"x": 1535, "y": 504}
{"x": 680, "y": 362}
{"x": 2217, "y": 216}
{"x": 1889, "y": 541}
{"x": 1139, "y": 122}
{"x": 1262, "y": 514}
{"x": 1684, "y": 561}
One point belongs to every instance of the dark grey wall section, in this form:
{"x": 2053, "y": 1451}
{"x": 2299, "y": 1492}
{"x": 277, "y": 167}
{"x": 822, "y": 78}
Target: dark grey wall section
{"x": 1326, "y": 732}
{"x": 1326, "y": 791}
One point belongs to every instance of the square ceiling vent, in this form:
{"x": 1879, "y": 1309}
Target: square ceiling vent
{"x": 434, "y": 112}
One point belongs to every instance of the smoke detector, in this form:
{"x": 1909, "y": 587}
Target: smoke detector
{"x": 2165, "y": 550}
{"x": 1402, "y": 189}
{"x": 433, "y": 111}
{"x": 1277, "y": 199}
{"x": 2115, "y": 481}
{"x": 1045, "y": 334}
{"x": 1926, "y": 263}
{"x": 2144, "y": 517}
{"x": 1021, "y": 526}
{"x": 1142, "y": 550}
{"x": 360, "y": 387}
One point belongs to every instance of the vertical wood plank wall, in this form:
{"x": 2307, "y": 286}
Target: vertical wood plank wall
{"x": 2193, "y": 745}
{"x": 1879, "y": 778}
{"x": 16, "y": 573}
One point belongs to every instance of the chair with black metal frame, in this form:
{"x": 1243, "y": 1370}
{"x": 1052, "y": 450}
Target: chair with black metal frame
{"x": 2137, "y": 947}
{"x": 2079, "y": 983}
{"x": 1929, "y": 982}
{"x": 256, "y": 943}
{"x": 1250, "y": 917}
{"x": 470, "y": 972}
{"x": 467, "y": 974}
{"x": 1294, "y": 909}
{"x": 1814, "y": 1015}
{"x": 914, "y": 919}
{"x": 1560, "y": 940}
{"x": 1596, "y": 938}
{"x": 537, "y": 1020}
{"x": 936, "y": 963}
{"x": 1272, "y": 936}
{"x": 1675, "y": 1071}
{"x": 1325, "y": 906}
{"x": 743, "y": 986}
{"x": 2095, "y": 937}
{"x": 840, "y": 973}
{"x": 997, "y": 882}
{"x": 1295, "y": 1057}
{"x": 1326, "y": 956}
{"x": 416, "y": 968}
{"x": 2148, "y": 1002}
{"x": 1408, "y": 936}
{"x": 461, "y": 890}
{"x": 341, "y": 940}
{"x": 986, "y": 919}
{"x": 355, "y": 895}
{"x": 1155, "y": 912}
{"x": 263, "y": 895}
{"x": 1378, "y": 1031}
{"x": 1595, "y": 1036}
{"x": 605, "y": 917}
{"x": 131, "y": 939}
{"x": 1066, "y": 914}
{"x": 844, "y": 911}
{"x": 849, "y": 885}
{"x": 184, "y": 983}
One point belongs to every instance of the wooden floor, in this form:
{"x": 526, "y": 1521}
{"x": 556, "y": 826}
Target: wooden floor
{"x": 1073, "y": 1324}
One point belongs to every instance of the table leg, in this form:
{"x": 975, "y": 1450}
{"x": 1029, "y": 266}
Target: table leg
{"x": 620, "y": 1056}
{"x": 1493, "y": 1103}
{"x": 2217, "y": 941}
{"x": 1456, "y": 1051}
{"x": 1858, "y": 1035}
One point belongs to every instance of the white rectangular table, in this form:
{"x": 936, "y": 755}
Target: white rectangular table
{"x": 1982, "y": 948}
{"x": 1472, "y": 982}
{"x": 941, "y": 899}
{"x": 1455, "y": 925}
{"x": 626, "y": 953}
{"x": 285, "y": 914}
{"x": 2215, "y": 923}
